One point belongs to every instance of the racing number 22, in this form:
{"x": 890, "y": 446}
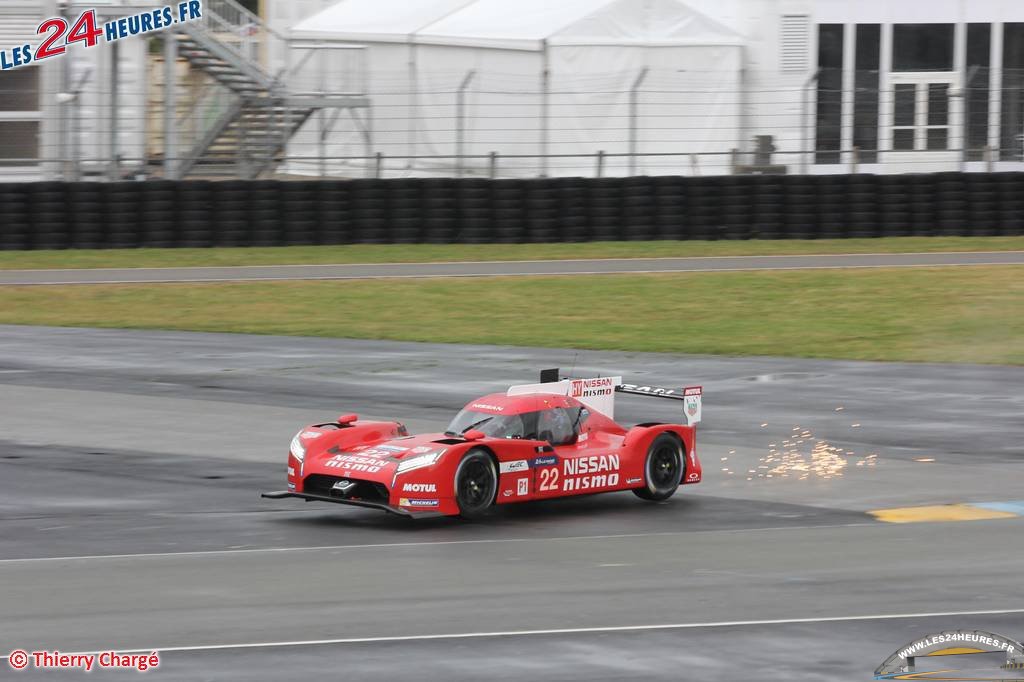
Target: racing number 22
{"x": 84, "y": 31}
{"x": 548, "y": 480}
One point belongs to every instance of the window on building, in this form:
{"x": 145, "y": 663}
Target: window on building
{"x": 1011, "y": 143}
{"x": 921, "y": 115}
{"x": 938, "y": 116}
{"x": 19, "y": 116}
{"x": 865, "y": 96}
{"x": 828, "y": 128}
{"x": 922, "y": 47}
{"x": 976, "y": 90}
{"x": 904, "y": 116}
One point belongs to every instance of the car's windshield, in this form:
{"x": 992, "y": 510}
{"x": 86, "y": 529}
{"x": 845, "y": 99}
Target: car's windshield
{"x": 494, "y": 425}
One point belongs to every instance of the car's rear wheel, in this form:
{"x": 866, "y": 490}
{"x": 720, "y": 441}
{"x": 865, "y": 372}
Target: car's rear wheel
{"x": 663, "y": 469}
{"x": 476, "y": 484}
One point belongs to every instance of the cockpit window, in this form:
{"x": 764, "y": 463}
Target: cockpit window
{"x": 495, "y": 425}
{"x": 558, "y": 425}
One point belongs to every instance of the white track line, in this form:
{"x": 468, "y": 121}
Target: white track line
{"x": 316, "y": 278}
{"x": 555, "y": 631}
{"x": 440, "y": 543}
{"x": 546, "y": 260}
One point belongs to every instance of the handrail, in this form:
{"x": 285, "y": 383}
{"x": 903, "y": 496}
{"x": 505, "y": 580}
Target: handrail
{"x": 241, "y": 32}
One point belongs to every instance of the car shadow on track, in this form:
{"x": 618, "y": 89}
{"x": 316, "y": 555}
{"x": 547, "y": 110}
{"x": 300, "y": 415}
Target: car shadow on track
{"x": 606, "y": 514}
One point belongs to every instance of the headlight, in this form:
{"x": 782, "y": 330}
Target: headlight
{"x": 419, "y": 462}
{"x": 297, "y": 449}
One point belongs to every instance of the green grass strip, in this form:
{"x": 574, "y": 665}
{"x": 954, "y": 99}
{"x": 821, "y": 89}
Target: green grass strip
{"x": 971, "y": 315}
{"x": 428, "y": 253}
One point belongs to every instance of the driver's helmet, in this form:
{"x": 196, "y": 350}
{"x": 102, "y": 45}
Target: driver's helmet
{"x": 555, "y": 425}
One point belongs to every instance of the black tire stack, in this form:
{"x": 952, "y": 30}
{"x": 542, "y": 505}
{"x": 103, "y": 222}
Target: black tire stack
{"x": 542, "y": 220}
{"x": 440, "y": 202}
{"x": 738, "y": 206}
{"x": 704, "y": 199}
{"x": 670, "y": 206}
{"x": 833, "y": 215}
{"x": 265, "y": 214}
{"x": 335, "y": 212}
{"x": 923, "y": 216}
{"x": 573, "y": 209}
{"x": 121, "y": 215}
{"x": 405, "y": 210}
{"x": 951, "y": 203}
{"x": 862, "y": 202}
{"x": 895, "y": 203}
{"x": 195, "y": 209}
{"x": 15, "y": 217}
{"x": 769, "y": 208}
{"x": 87, "y": 211}
{"x": 369, "y": 211}
{"x": 639, "y": 209}
{"x": 801, "y": 213}
{"x": 302, "y": 212}
{"x": 56, "y": 215}
{"x": 1011, "y": 202}
{"x": 983, "y": 214}
{"x": 50, "y": 217}
{"x": 473, "y": 223}
{"x": 606, "y": 210}
{"x": 510, "y": 212}
{"x": 231, "y": 214}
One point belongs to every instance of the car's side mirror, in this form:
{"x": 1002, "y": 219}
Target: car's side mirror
{"x": 473, "y": 434}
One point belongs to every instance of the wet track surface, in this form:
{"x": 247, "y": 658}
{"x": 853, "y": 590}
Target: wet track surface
{"x": 504, "y": 268}
{"x": 131, "y": 464}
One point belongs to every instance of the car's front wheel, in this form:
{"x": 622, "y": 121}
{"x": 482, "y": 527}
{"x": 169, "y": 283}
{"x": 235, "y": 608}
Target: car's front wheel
{"x": 663, "y": 469}
{"x": 476, "y": 484}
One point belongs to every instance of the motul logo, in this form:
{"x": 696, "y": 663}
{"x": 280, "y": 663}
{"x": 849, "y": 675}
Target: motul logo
{"x": 420, "y": 488}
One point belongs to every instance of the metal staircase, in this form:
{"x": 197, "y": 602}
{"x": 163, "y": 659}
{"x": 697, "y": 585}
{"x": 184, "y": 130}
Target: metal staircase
{"x": 245, "y": 118}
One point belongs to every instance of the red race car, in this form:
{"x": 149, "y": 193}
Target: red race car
{"x": 552, "y": 439}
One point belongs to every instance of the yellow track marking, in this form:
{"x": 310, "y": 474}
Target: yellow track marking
{"x": 939, "y": 512}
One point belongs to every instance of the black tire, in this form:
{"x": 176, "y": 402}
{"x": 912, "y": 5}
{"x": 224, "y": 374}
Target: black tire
{"x": 663, "y": 469}
{"x": 476, "y": 484}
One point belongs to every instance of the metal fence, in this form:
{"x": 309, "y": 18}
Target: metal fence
{"x": 504, "y": 125}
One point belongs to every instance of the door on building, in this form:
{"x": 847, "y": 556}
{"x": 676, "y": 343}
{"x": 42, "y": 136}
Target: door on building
{"x": 923, "y": 112}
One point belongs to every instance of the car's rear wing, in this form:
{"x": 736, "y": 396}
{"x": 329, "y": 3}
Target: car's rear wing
{"x": 598, "y": 393}
{"x": 690, "y": 395}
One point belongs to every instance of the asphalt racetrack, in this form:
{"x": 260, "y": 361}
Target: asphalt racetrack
{"x": 130, "y": 518}
{"x": 599, "y": 266}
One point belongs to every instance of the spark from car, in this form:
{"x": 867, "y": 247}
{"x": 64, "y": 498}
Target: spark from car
{"x": 803, "y": 456}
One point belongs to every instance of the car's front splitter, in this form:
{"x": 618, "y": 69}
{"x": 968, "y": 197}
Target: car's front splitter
{"x": 398, "y": 511}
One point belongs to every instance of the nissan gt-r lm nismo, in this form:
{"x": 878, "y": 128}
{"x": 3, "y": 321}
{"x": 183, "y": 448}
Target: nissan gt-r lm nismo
{"x": 552, "y": 439}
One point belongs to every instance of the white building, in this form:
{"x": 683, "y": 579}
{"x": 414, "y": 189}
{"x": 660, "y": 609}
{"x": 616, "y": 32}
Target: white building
{"x": 542, "y": 84}
{"x": 876, "y": 85}
{"x": 62, "y": 109}
{"x": 880, "y": 85}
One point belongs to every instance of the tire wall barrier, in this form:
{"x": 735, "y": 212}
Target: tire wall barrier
{"x": 58, "y": 215}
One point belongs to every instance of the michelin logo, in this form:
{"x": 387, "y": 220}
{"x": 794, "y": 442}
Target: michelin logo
{"x": 405, "y": 502}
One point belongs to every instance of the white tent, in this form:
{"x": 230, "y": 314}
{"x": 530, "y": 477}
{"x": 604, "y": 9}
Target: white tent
{"x": 535, "y": 78}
